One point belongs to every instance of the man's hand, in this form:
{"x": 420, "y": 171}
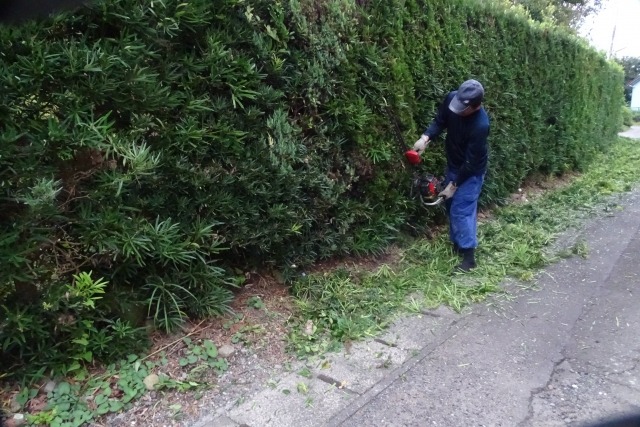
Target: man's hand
{"x": 421, "y": 144}
{"x": 448, "y": 191}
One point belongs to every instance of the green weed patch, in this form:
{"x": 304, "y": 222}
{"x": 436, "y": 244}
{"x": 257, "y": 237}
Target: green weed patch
{"x": 77, "y": 401}
{"x": 350, "y": 305}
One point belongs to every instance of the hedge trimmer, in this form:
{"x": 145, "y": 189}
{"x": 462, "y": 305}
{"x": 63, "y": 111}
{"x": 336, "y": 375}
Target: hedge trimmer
{"x": 425, "y": 186}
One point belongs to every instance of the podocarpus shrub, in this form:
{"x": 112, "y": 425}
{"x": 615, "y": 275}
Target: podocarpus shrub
{"x": 627, "y": 116}
{"x": 164, "y": 146}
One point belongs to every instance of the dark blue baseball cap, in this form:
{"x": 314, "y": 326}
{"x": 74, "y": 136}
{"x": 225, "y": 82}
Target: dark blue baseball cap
{"x": 469, "y": 94}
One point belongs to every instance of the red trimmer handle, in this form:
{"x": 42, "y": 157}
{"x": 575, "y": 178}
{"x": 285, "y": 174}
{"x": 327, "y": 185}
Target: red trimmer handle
{"x": 412, "y": 157}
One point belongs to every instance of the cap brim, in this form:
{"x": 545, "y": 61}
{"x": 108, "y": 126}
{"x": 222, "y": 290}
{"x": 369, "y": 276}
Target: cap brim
{"x": 456, "y": 106}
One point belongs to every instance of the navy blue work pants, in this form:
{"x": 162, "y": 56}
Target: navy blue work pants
{"x": 463, "y": 210}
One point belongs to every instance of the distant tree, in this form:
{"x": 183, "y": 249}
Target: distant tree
{"x": 569, "y": 13}
{"x": 631, "y": 66}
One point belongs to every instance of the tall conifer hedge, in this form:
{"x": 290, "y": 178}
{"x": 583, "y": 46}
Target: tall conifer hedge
{"x": 151, "y": 149}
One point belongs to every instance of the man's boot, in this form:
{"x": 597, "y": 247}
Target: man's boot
{"x": 468, "y": 260}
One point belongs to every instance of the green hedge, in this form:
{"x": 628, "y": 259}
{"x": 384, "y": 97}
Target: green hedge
{"x": 167, "y": 146}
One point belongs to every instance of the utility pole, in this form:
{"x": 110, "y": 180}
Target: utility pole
{"x": 615, "y": 26}
{"x": 613, "y": 36}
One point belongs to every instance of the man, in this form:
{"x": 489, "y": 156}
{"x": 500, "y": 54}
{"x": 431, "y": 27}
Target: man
{"x": 467, "y": 125}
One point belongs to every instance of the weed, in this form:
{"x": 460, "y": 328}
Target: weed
{"x": 413, "y": 305}
{"x": 256, "y": 302}
{"x": 176, "y": 410}
{"x": 43, "y": 418}
{"x": 581, "y": 249}
{"x": 386, "y": 363}
{"x": 205, "y": 353}
{"x": 79, "y": 402}
{"x": 302, "y": 388}
{"x": 326, "y": 364}
{"x": 246, "y": 334}
{"x": 305, "y": 372}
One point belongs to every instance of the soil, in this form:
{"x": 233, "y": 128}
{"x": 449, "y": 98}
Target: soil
{"x": 258, "y": 338}
{"x": 535, "y": 186}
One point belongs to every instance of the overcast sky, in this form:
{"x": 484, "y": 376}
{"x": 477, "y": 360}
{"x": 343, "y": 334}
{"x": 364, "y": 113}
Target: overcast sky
{"x": 624, "y": 15}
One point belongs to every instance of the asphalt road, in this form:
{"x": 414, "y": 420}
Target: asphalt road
{"x": 633, "y": 132}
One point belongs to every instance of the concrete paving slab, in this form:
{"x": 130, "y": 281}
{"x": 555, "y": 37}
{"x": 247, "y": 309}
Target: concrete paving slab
{"x": 294, "y": 401}
{"x": 222, "y": 422}
{"x": 413, "y": 332}
{"x": 362, "y": 366}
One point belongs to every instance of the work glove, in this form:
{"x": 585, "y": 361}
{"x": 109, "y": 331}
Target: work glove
{"x": 421, "y": 144}
{"x": 448, "y": 191}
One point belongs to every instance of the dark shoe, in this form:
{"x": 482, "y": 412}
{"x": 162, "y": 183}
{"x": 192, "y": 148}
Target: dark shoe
{"x": 468, "y": 260}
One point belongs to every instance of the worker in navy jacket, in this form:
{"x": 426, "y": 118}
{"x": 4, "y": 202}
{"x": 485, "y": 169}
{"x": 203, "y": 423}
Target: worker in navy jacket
{"x": 467, "y": 124}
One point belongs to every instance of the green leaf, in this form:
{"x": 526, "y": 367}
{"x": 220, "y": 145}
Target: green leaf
{"x": 210, "y": 348}
{"x": 128, "y": 391}
{"x": 22, "y": 397}
{"x": 82, "y": 341}
{"x": 80, "y": 417}
{"x": 305, "y": 372}
{"x": 75, "y": 365}
{"x": 102, "y": 408}
{"x": 63, "y": 388}
{"x": 302, "y": 388}
{"x": 115, "y": 405}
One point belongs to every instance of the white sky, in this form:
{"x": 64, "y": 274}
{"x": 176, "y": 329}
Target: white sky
{"x": 624, "y": 15}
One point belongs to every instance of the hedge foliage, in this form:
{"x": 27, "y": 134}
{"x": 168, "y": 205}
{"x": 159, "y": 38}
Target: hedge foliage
{"x": 152, "y": 150}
